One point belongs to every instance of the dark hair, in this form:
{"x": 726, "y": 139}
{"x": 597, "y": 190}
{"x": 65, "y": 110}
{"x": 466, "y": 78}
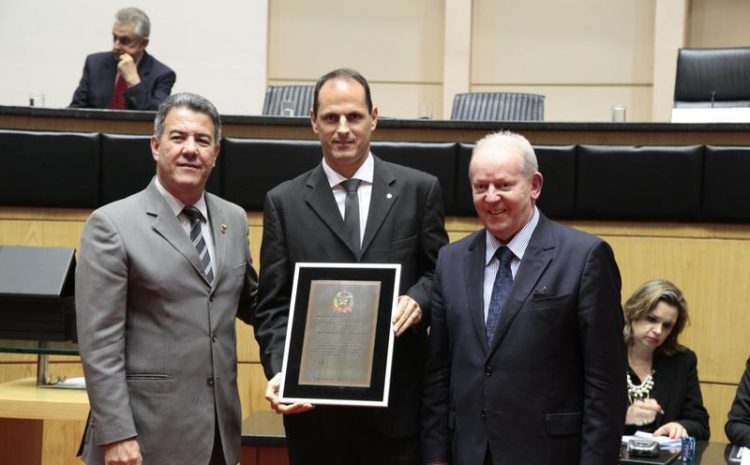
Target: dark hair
{"x": 342, "y": 73}
{"x": 645, "y": 299}
{"x": 193, "y": 102}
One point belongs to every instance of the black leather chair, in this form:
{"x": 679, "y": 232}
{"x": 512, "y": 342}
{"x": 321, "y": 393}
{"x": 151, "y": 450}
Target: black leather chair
{"x": 498, "y": 106}
{"x": 49, "y": 169}
{"x": 252, "y": 167}
{"x": 128, "y": 166}
{"x": 301, "y": 98}
{"x": 438, "y": 159}
{"x": 712, "y": 77}
{"x": 656, "y": 183}
{"x": 726, "y": 192}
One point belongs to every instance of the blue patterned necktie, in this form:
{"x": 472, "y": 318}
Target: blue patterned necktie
{"x": 500, "y": 290}
{"x": 195, "y": 217}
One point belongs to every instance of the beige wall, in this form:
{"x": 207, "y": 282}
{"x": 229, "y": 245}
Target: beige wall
{"x": 718, "y": 23}
{"x": 584, "y": 55}
{"x": 397, "y": 45}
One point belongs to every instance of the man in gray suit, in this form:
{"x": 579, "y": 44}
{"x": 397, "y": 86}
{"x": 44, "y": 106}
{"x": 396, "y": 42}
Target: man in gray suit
{"x": 162, "y": 275}
{"x": 400, "y": 218}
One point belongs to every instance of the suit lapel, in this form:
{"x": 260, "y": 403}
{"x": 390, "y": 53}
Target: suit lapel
{"x": 383, "y": 198}
{"x": 536, "y": 259}
{"x": 108, "y": 76}
{"x": 165, "y": 224}
{"x": 474, "y": 266}
{"x": 145, "y": 65}
{"x": 321, "y": 200}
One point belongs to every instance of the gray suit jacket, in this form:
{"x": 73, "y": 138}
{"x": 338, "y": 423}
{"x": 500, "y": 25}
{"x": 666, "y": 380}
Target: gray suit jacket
{"x": 157, "y": 341}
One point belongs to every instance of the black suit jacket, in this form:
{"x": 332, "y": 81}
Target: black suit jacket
{"x": 405, "y": 225}
{"x": 677, "y": 390}
{"x": 98, "y": 81}
{"x": 738, "y": 424}
{"x": 549, "y": 388}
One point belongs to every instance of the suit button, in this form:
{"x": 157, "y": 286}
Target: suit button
{"x": 483, "y": 414}
{"x": 211, "y": 298}
{"x": 210, "y": 381}
{"x": 213, "y": 338}
{"x": 488, "y": 370}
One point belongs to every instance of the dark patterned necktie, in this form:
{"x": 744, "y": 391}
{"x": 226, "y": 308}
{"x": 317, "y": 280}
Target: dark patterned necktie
{"x": 500, "y": 290}
{"x": 351, "y": 212}
{"x": 118, "y": 94}
{"x": 195, "y": 217}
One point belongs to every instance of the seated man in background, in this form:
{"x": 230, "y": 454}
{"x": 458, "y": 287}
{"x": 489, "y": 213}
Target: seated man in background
{"x": 128, "y": 78}
{"x": 738, "y": 423}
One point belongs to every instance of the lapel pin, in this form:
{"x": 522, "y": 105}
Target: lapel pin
{"x": 388, "y": 195}
{"x": 223, "y": 228}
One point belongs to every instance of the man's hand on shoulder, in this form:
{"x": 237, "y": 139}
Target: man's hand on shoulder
{"x": 272, "y": 396}
{"x": 127, "y": 452}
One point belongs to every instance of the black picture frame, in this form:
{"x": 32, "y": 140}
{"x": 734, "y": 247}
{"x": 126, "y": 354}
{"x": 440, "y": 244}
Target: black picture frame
{"x": 339, "y": 342}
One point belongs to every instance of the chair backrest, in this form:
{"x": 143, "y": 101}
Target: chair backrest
{"x": 712, "y": 77}
{"x": 300, "y": 100}
{"x": 498, "y": 106}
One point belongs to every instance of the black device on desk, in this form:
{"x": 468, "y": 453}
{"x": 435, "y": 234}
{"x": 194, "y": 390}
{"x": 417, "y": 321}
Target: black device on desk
{"x": 36, "y": 293}
{"x": 645, "y": 451}
{"x": 643, "y": 448}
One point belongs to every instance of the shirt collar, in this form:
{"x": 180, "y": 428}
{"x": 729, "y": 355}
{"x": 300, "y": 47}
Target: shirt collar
{"x": 176, "y": 204}
{"x": 517, "y": 245}
{"x": 364, "y": 173}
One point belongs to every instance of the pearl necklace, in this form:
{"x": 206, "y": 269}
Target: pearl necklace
{"x": 640, "y": 391}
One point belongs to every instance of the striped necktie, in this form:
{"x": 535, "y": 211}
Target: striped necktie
{"x": 195, "y": 217}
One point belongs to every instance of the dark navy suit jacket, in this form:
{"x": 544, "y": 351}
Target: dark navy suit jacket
{"x": 549, "y": 389}
{"x": 98, "y": 81}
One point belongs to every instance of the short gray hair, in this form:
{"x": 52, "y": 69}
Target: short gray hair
{"x": 503, "y": 139}
{"x": 137, "y": 17}
{"x": 192, "y": 102}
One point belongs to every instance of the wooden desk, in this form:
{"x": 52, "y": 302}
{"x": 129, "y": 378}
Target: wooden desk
{"x": 263, "y": 440}
{"x": 420, "y": 130}
{"x": 40, "y": 425}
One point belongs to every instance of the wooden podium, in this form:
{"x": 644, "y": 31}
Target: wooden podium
{"x": 40, "y": 425}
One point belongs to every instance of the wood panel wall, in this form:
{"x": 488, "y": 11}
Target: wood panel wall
{"x": 708, "y": 261}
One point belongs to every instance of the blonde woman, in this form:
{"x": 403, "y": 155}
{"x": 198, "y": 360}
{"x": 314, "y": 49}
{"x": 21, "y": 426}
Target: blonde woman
{"x": 663, "y": 391}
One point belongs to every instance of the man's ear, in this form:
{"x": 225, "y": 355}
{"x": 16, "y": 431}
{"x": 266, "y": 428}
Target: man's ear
{"x": 314, "y": 121}
{"x": 155, "y": 147}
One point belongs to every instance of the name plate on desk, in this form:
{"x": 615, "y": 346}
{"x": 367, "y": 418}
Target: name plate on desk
{"x": 339, "y": 337}
{"x": 711, "y": 115}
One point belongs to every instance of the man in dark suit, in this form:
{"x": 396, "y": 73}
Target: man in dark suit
{"x": 525, "y": 355}
{"x": 128, "y": 78}
{"x": 162, "y": 276}
{"x": 400, "y": 221}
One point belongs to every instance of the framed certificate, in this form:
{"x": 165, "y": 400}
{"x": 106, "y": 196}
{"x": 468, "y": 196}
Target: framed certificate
{"x": 339, "y": 341}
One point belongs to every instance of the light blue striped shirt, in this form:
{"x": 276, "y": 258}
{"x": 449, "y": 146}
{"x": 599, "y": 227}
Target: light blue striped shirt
{"x": 517, "y": 245}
